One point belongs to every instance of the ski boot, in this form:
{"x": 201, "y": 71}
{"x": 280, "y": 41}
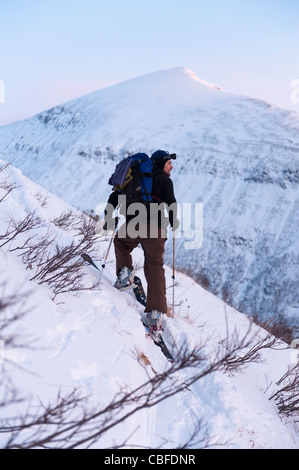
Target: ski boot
{"x": 152, "y": 322}
{"x": 125, "y": 279}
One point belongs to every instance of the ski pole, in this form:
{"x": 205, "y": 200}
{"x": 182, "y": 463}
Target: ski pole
{"x": 108, "y": 250}
{"x": 173, "y": 271}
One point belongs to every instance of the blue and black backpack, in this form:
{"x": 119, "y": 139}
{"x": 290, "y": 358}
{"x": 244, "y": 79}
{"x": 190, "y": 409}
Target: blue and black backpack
{"x": 133, "y": 177}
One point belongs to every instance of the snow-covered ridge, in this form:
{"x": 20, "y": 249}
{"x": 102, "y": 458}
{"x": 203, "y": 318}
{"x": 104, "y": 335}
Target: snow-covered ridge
{"x": 196, "y": 78}
{"x": 237, "y": 155}
{"x": 89, "y": 341}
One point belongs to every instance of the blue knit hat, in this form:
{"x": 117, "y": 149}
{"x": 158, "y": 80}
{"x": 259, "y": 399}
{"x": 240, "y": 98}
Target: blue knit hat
{"x": 160, "y": 157}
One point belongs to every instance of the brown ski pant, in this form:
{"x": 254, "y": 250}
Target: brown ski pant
{"x": 154, "y": 272}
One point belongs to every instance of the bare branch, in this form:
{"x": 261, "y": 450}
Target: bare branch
{"x": 14, "y": 228}
{"x": 70, "y": 424}
{"x": 287, "y": 397}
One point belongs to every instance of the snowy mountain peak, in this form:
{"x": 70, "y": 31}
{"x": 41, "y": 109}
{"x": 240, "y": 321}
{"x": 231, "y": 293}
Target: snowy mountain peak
{"x": 197, "y": 79}
{"x": 168, "y": 81}
{"x": 181, "y": 73}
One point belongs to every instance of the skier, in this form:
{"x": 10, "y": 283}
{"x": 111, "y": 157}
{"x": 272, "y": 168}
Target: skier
{"x": 153, "y": 247}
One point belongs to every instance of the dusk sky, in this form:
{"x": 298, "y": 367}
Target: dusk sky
{"x": 56, "y": 50}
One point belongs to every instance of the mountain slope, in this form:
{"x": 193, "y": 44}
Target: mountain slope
{"x": 93, "y": 341}
{"x": 237, "y": 155}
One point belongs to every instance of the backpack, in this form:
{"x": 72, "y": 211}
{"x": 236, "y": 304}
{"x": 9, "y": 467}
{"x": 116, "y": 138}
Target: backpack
{"x": 133, "y": 177}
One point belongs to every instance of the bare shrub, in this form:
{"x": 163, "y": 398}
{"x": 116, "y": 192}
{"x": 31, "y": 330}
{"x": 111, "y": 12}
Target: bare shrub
{"x": 69, "y": 423}
{"x": 12, "y": 311}
{"x": 14, "y": 229}
{"x": 287, "y": 396}
{"x": 68, "y": 220}
{"x": 55, "y": 263}
{"x": 60, "y": 265}
{"x": 199, "y": 276}
{"x": 92, "y": 215}
{"x": 253, "y": 354}
{"x": 8, "y": 188}
{"x": 277, "y": 326}
{"x": 5, "y": 184}
{"x": 42, "y": 198}
{"x": 33, "y": 248}
{"x": 3, "y": 167}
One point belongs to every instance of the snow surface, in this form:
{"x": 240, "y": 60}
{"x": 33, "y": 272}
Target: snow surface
{"x": 90, "y": 340}
{"x": 237, "y": 155}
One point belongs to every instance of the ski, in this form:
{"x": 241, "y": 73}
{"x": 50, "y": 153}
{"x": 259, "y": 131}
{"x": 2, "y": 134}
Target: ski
{"x": 160, "y": 343}
{"x": 139, "y": 291}
{"x": 137, "y": 286}
{"x": 141, "y": 298}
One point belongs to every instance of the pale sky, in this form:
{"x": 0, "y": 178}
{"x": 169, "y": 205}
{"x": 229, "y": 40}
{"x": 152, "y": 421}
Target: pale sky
{"x": 52, "y": 51}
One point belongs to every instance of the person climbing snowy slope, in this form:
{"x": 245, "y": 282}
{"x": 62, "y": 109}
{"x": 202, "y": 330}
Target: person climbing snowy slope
{"x": 149, "y": 229}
